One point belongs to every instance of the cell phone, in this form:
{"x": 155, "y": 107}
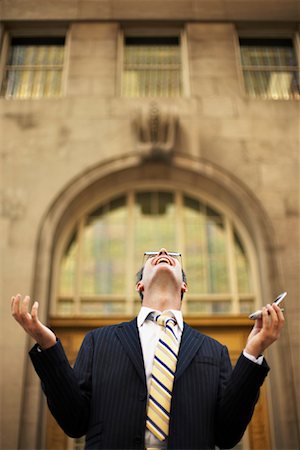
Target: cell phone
{"x": 257, "y": 314}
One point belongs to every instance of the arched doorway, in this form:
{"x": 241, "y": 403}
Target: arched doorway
{"x": 215, "y": 202}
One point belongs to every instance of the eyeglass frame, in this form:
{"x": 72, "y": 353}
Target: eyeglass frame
{"x": 176, "y": 255}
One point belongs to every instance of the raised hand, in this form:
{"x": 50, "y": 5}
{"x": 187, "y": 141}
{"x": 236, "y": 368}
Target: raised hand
{"x": 266, "y": 330}
{"x": 30, "y": 322}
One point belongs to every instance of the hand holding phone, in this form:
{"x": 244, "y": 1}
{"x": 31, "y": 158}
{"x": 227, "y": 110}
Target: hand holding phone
{"x": 257, "y": 314}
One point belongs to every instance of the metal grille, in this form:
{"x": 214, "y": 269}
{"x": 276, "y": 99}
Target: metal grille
{"x": 152, "y": 67}
{"x": 34, "y": 68}
{"x": 270, "y": 68}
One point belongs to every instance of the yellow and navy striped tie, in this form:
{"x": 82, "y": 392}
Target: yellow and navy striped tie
{"x": 162, "y": 378}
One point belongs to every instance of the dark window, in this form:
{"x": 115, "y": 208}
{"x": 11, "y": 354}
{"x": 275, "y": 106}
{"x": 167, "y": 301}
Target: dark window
{"x": 152, "y": 67}
{"x": 34, "y": 67}
{"x": 270, "y": 68}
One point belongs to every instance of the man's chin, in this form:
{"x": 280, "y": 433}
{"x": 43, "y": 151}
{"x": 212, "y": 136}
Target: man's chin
{"x": 163, "y": 266}
{"x": 165, "y": 270}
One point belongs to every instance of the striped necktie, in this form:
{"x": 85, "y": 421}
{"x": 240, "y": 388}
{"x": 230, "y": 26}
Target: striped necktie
{"x": 162, "y": 378}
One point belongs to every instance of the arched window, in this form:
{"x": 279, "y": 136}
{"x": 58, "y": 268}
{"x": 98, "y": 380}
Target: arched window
{"x": 98, "y": 261}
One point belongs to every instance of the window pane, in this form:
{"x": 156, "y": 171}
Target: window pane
{"x": 216, "y": 253}
{"x": 242, "y": 263}
{"x": 152, "y": 67}
{"x": 68, "y": 268}
{"x": 155, "y": 222}
{"x": 104, "y": 250}
{"x": 270, "y": 68}
{"x": 195, "y": 261}
{"x": 34, "y": 68}
{"x": 206, "y": 260}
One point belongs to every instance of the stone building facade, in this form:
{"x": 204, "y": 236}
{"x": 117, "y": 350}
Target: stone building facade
{"x": 59, "y": 153}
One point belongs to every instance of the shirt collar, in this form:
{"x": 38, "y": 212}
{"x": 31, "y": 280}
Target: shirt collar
{"x": 145, "y": 311}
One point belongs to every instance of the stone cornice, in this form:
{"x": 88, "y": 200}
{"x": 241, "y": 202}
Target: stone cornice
{"x": 168, "y": 10}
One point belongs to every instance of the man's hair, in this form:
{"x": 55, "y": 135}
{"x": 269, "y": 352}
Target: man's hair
{"x": 139, "y": 276}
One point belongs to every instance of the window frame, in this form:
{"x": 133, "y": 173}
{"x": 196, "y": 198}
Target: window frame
{"x": 264, "y": 31}
{"x": 129, "y": 298}
{"x": 154, "y": 31}
{"x": 34, "y": 33}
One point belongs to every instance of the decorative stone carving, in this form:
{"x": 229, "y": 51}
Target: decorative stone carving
{"x": 155, "y": 126}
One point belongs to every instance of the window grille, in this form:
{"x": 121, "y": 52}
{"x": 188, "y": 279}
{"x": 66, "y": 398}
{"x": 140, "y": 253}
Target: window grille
{"x": 152, "y": 67}
{"x": 34, "y": 68}
{"x": 98, "y": 266}
{"x": 270, "y": 68}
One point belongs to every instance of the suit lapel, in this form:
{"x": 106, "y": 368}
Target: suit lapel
{"x": 128, "y": 334}
{"x": 191, "y": 341}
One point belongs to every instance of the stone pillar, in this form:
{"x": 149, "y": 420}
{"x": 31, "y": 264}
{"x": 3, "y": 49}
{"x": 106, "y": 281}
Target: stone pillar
{"x": 92, "y": 59}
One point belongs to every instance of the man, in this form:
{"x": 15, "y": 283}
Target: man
{"x": 111, "y": 394}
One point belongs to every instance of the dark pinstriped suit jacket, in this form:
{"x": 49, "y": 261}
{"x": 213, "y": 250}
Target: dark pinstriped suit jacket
{"x": 105, "y": 395}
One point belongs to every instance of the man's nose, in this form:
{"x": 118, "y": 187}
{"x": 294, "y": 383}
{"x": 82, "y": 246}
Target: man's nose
{"x": 163, "y": 251}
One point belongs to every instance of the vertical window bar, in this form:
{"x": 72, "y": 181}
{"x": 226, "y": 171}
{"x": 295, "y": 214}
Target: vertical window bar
{"x": 270, "y": 68}
{"x": 130, "y": 262}
{"x": 34, "y": 68}
{"x": 233, "y": 282}
{"x": 152, "y": 67}
{"x": 78, "y": 268}
{"x": 180, "y": 241}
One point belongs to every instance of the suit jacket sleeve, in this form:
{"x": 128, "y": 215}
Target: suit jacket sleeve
{"x": 237, "y": 398}
{"x": 68, "y": 390}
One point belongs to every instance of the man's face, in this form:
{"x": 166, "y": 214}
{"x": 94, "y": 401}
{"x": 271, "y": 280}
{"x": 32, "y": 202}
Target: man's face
{"x": 162, "y": 267}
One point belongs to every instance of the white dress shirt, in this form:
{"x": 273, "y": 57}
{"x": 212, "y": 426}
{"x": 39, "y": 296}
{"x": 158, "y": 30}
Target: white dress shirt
{"x": 149, "y": 332}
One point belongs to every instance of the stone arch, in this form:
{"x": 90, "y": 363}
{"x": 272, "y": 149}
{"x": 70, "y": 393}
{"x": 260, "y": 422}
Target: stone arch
{"x": 109, "y": 176}
{"x": 195, "y": 175}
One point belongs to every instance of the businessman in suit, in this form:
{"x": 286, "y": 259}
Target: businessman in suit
{"x": 107, "y": 396}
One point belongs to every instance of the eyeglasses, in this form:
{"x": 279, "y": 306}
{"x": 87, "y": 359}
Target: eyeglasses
{"x": 149, "y": 255}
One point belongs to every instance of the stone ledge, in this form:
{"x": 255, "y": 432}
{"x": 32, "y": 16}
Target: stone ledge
{"x": 184, "y": 10}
